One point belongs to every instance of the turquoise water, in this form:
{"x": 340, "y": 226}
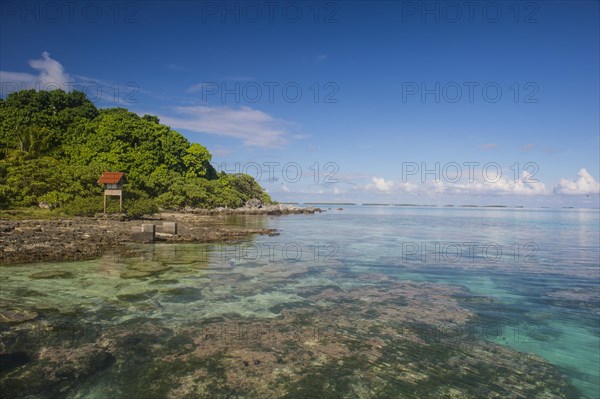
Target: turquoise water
{"x": 544, "y": 253}
{"x": 363, "y": 302}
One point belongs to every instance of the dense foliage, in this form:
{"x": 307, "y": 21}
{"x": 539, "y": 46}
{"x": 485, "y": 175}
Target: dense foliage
{"x": 55, "y": 145}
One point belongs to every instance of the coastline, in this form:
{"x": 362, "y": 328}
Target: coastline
{"x": 80, "y": 238}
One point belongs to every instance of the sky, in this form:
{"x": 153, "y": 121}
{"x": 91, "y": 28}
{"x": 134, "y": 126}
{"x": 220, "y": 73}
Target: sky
{"x": 437, "y": 102}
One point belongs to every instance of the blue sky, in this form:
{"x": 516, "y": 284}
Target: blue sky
{"x": 363, "y": 92}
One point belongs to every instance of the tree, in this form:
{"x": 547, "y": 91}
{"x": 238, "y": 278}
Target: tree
{"x": 197, "y": 162}
{"x": 32, "y": 141}
{"x": 54, "y": 145}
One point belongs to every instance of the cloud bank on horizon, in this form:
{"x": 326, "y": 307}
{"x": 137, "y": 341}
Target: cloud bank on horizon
{"x": 586, "y": 184}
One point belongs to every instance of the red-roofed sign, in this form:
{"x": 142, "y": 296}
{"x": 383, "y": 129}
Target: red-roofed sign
{"x": 111, "y": 177}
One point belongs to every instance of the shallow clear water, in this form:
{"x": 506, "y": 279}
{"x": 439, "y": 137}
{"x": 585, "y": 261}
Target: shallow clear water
{"x": 526, "y": 280}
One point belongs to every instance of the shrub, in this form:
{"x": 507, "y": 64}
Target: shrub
{"x": 138, "y": 208}
{"x": 169, "y": 200}
{"x": 88, "y": 206}
{"x": 54, "y": 199}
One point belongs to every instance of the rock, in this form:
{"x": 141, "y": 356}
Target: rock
{"x": 181, "y": 295}
{"x": 6, "y": 228}
{"x": 136, "y": 297}
{"x": 44, "y": 205}
{"x": 135, "y": 274}
{"x": 147, "y": 266}
{"x": 56, "y": 371}
{"x": 26, "y": 241}
{"x": 277, "y": 209}
{"x": 253, "y": 203}
{"x": 10, "y": 361}
{"x": 144, "y": 269}
{"x": 16, "y": 316}
{"x": 51, "y": 274}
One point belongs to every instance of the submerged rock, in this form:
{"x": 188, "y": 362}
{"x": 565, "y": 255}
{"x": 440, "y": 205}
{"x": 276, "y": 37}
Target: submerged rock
{"x": 135, "y": 274}
{"x": 10, "y": 361}
{"x": 15, "y": 316}
{"x": 55, "y": 371}
{"x": 51, "y": 274}
{"x": 137, "y": 296}
{"x": 182, "y": 295}
{"x": 144, "y": 269}
{"x": 380, "y": 339}
{"x": 146, "y": 266}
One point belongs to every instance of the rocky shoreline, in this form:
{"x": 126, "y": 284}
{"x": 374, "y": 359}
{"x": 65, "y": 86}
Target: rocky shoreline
{"x": 25, "y": 241}
{"x": 278, "y": 209}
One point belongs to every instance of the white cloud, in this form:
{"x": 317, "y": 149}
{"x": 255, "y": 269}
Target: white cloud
{"x": 285, "y": 188}
{"x": 380, "y": 184}
{"x": 525, "y": 185}
{"x": 17, "y": 78}
{"x": 359, "y": 187}
{"x": 504, "y": 186}
{"x": 252, "y": 126}
{"x": 51, "y": 75}
{"x": 51, "y": 71}
{"x": 586, "y": 184}
{"x": 406, "y": 187}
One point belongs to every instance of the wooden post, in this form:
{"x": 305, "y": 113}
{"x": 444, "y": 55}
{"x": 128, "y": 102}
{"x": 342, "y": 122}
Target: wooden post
{"x": 105, "y": 202}
{"x": 120, "y": 201}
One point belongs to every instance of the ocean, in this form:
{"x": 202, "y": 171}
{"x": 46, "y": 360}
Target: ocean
{"x": 359, "y": 302}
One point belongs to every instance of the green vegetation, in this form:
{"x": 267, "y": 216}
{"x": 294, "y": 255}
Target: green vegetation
{"x": 55, "y": 145}
{"x": 27, "y": 213}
